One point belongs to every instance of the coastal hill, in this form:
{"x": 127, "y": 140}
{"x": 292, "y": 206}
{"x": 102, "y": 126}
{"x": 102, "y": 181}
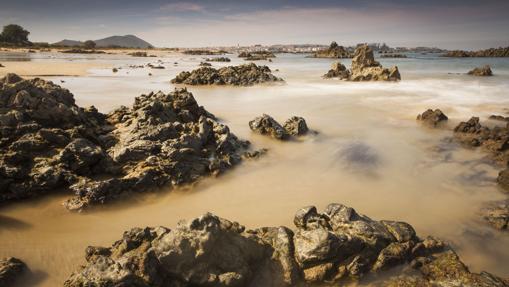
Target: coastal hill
{"x": 127, "y": 41}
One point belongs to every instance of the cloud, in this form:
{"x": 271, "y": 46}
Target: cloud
{"x": 181, "y": 7}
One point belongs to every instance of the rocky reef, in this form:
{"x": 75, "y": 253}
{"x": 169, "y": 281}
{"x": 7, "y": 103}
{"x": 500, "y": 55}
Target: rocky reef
{"x": 334, "y": 247}
{"x": 481, "y": 71}
{"x": 51, "y": 144}
{"x": 333, "y": 51}
{"x": 218, "y": 59}
{"x": 256, "y": 55}
{"x": 266, "y": 125}
{"x": 432, "y": 118}
{"x": 364, "y": 68}
{"x": 11, "y": 269}
{"x": 393, "y": 56}
{"x": 241, "y": 75}
{"x": 204, "y": 52}
{"x": 492, "y": 52}
{"x": 82, "y": 51}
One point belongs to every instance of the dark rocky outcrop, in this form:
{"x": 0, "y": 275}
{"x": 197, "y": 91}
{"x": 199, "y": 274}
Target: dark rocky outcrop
{"x": 432, "y": 118}
{"x": 218, "y": 59}
{"x": 82, "y": 51}
{"x": 256, "y": 55}
{"x": 393, "y": 56}
{"x": 204, "y": 52}
{"x": 481, "y": 71}
{"x": 2, "y": 66}
{"x": 333, "y": 247}
{"x": 49, "y": 143}
{"x": 205, "y": 64}
{"x": 11, "y": 269}
{"x": 242, "y": 75}
{"x": 499, "y": 118}
{"x": 140, "y": 54}
{"x": 333, "y": 51}
{"x": 266, "y": 125}
{"x": 364, "y": 68}
{"x": 492, "y": 52}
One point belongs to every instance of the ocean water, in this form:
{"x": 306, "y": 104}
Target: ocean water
{"x": 368, "y": 152}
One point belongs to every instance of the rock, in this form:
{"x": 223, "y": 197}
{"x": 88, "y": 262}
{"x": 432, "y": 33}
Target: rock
{"x": 114, "y": 70}
{"x": 266, "y": 125}
{"x": 242, "y": 75}
{"x": 218, "y": 59}
{"x": 481, "y": 71}
{"x": 205, "y": 64}
{"x": 493, "y": 140}
{"x": 364, "y": 68}
{"x": 503, "y": 179}
{"x": 82, "y": 51}
{"x": 497, "y": 214}
{"x": 432, "y": 118}
{"x": 334, "y": 51}
{"x": 204, "y": 52}
{"x": 2, "y": 66}
{"x": 499, "y": 118}
{"x": 138, "y": 54}
{"x": 492, "y": 52}
{"x": 338, "y": 70}
{"x": 50, "y": 143}
{"x": 11, "y": 269}
{"x": 335, "y": 247}
{"x": 393, "y": 56}
{"x": 256, "y": 55}
{"x": 296, "y": 126}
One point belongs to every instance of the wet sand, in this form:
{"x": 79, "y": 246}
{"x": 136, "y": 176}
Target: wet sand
{"x": 369, "y": 153}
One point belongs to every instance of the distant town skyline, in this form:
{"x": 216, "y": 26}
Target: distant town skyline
{"x": 451, "y": 24}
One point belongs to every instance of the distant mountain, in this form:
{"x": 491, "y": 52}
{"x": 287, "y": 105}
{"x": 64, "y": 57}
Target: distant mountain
{"x": 127, "y": 41}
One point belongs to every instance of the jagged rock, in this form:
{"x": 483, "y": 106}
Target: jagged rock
{"x": 364, "y": 68}
{"x": 242, "y": 75}
{"x": 266, "y": 125}
{"x": 492, "y": 52}
{"x": 50, "y": 143}
{"x": 11, "y": 269}
{"x": 497, "y": 214}
{"x": 296, "y": 126}
{"x": 481, "y": 71}
{"x": 338, "y": 70}
{"x": 334, "y": 51}
{"x": 432, "y": 118}
{"x": 494, "y": 140}
{"x": 218, "y": 59}
{"x": 499, "y": 118}
{"x": 333, "y": 247}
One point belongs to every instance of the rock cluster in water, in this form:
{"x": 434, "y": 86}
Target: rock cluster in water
{"x": 204, "y": 52}
{"x": 393, "y": 56}
{"x": 333, "y": 51}
{"x": 241, "y": 75}
{"x": 49, "y": 143}
{"x": 432, "y": 118}
{"x": 481, "y": 71}
{"x": 364, "y": 68}
{"x": 82, "y": 51}
{"x": 492, "y": 52}
{"x": 333, "y": 247}
{"x": 256, "y": 55}
{"x": 11, "y": 269}
{"x": 218, "y": 59}
{"x": 266, "y": 125}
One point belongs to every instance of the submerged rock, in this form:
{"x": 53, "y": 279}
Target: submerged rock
{"x": 432, "y": 118}
{"x": 11, "y": 269}
{"x": 242, "y": 75}
{"x": 497, "y": 214}
{"x": 481, "y": 71}
{"x": 49, "y": 143}
{"x": 364, "y": 68}
{"x": 333, "y": 247}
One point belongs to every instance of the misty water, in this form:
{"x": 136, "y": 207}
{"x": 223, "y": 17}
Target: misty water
{"x": 368, "y": 152}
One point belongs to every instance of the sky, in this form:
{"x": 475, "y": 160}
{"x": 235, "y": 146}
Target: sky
{"x": 450, "y": 24}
